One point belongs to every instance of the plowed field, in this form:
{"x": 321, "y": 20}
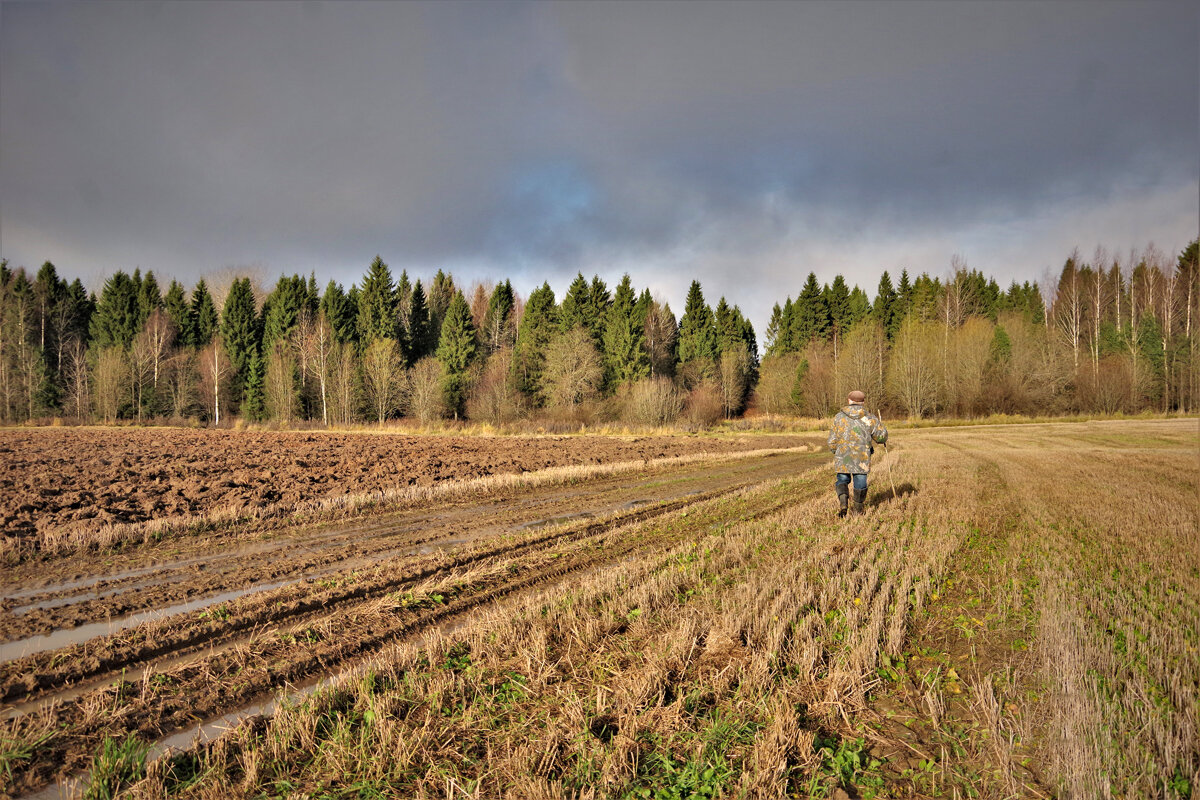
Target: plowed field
{"x": 81, "y": 630}
{"x": 1015, "y": 614}
{"x": 68, "y": 482}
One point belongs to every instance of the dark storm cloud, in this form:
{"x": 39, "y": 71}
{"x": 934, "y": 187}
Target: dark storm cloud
{"x": 535, "y": 139}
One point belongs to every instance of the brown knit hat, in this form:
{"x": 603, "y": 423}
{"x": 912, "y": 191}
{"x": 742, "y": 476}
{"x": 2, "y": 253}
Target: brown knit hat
{"x": 856, "y": 397}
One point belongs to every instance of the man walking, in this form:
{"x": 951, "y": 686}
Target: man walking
{"x": 852, "y": 440}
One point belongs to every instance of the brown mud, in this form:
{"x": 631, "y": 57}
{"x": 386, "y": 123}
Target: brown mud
{"x": 80, "y": 480}
{"x": 308, "y": 603}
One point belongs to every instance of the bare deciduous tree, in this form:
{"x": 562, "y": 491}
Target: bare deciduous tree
{"x": 654, "y": 401}
{"x": 147, "y": 355}
{"x": 383, "y": 377}
{"x": 343, "y": 382}
{"x": 76, "y": 376}
{"x": 858, "y": 361}
{"x": 573, "y": 370}
{"x": 776, "y": 379}
{"x": 912, "y": 372}
{"x": 110, "y": 379}
{"x": 661, "y": 333}
{"x": 214, "y": 371}
{"x": 317, "y": 343}
{"x": 281, "y": 383}
{"x": 734, "y": 374}
{"x": 494, "y": 397}
{"x": 426, "y": 398}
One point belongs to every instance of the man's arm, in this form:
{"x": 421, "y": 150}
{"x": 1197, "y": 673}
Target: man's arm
{"x": 834, "y": 436}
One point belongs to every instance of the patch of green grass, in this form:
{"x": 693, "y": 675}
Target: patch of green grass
{"x": 117, "y": 765}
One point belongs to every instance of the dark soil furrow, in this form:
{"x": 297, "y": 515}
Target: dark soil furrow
{"x": 325, "y": 551}
{"x": 235, "y": 677}
{"x": 35, "y": 675}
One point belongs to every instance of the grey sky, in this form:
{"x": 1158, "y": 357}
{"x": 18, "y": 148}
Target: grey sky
{"x": 743, "y": 144}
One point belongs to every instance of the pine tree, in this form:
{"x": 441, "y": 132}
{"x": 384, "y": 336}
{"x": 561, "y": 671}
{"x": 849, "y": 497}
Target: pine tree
{"x": 538, "y": 327}
{"x": 456, "y": 351}
{"x": 697, "y": 332}
{"x": 203, "y": 317}
{"x": 377, "y": 304}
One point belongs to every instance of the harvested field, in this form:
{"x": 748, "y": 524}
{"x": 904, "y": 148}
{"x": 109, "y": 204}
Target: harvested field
{"x": 59, "y": 484}
{"x": 1014, "y": 616}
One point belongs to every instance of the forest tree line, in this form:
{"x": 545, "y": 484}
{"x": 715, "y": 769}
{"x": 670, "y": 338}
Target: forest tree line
{"x": 1114, "y": 334}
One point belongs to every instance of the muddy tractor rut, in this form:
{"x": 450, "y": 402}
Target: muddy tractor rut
{"x": 161, "y": 646}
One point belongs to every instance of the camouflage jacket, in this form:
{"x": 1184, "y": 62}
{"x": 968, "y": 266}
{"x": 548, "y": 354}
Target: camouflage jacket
{"x": 852, "y": 439}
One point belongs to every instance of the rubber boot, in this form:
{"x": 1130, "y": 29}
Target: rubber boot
{"x": 860, "y": 496}
{"x": 843, "y": 496}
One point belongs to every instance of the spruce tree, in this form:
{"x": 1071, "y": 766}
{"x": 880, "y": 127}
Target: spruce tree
{"x": 456, "y": 351}
{"x": 773, "y": 325}
{"x": 418, "y": 325}
{"x": 728, "y": 322}
{"x": 837, "y": 301}
{"x": 339, "y": 311}
{"x": 904, "y": 292}
{"x": 697, "y": 332}
{"x": 441, "y": 292}
{"x": 538, "y": 327}
{"x": 149, "y": 298}
{"x": 641, "y": 309}
{"x": 785, "y": 343}
{"x": 573, "y": 313}
{"x": 240, "y": 333}
{"x": 377, "y": 304}
{"x": 625, "y": 359}
{"x": 282, "y": 309}
{"x": 176, "y": 305}
{"x": 204, "y": 321}
{"x": 746, "y": 333}
{"x": 596, "y": 310}
{"x": 858, "y": 307}
{"x": 884, "y": 309}
{"x": 115, "y": 322}
{"x": 810, "y": 317}
{"x": 254, "y": 406}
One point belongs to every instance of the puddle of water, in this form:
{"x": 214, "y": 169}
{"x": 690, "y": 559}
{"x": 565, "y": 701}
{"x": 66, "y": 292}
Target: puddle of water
{"x": 545, "y": 523}
{"x": 10, "y": 651}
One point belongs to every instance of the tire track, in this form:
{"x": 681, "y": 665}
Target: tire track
{"x": 225, "y": 681}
